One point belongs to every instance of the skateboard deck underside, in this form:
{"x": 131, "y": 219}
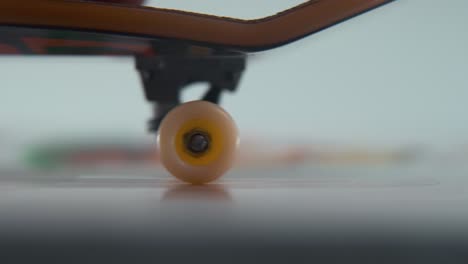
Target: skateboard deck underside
{"x": 79, "y": 27}
{"x": 42, "y": 41}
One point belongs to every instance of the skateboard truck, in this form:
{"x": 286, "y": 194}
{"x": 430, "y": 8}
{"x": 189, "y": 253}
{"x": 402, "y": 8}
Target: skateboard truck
{"x": 163, "y": 78}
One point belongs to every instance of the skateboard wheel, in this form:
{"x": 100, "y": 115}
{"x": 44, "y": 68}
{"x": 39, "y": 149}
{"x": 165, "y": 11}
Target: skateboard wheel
{"x": 197, "y": 142}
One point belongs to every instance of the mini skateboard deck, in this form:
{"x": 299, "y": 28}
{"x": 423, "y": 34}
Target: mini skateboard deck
{"x": 172, "y": 49}
{"x": 100, "y": 27}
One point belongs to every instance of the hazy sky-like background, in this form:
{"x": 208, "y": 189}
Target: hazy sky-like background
{"x": 395, "y": 76}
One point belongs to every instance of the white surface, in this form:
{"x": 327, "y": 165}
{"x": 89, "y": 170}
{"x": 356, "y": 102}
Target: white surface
{"x": 406, "y": 201}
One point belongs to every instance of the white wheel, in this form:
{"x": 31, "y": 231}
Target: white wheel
{"x": 197, "y": 142}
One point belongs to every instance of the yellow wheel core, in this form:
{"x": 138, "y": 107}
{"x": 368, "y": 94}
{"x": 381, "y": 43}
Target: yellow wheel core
{"x": 204, "y": 127}
{"x": 197, "y": 142}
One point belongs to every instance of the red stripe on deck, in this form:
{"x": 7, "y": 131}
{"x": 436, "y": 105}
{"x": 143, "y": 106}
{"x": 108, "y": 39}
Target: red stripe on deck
{"x": 40, "y": 45}
{"x": 8, "y": 49}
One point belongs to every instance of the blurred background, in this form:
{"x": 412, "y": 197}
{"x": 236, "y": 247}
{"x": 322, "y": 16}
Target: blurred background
{"x": 393, "y": 79}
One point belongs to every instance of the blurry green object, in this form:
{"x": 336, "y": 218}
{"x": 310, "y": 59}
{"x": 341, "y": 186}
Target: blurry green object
{"x": 44, "y": 158}
{"x": 86, "y": 153}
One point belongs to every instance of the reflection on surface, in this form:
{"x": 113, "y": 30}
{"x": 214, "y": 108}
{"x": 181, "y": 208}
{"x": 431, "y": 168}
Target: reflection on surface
{"x": 211, "y": 192}
{"x": 198, "y": 209}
